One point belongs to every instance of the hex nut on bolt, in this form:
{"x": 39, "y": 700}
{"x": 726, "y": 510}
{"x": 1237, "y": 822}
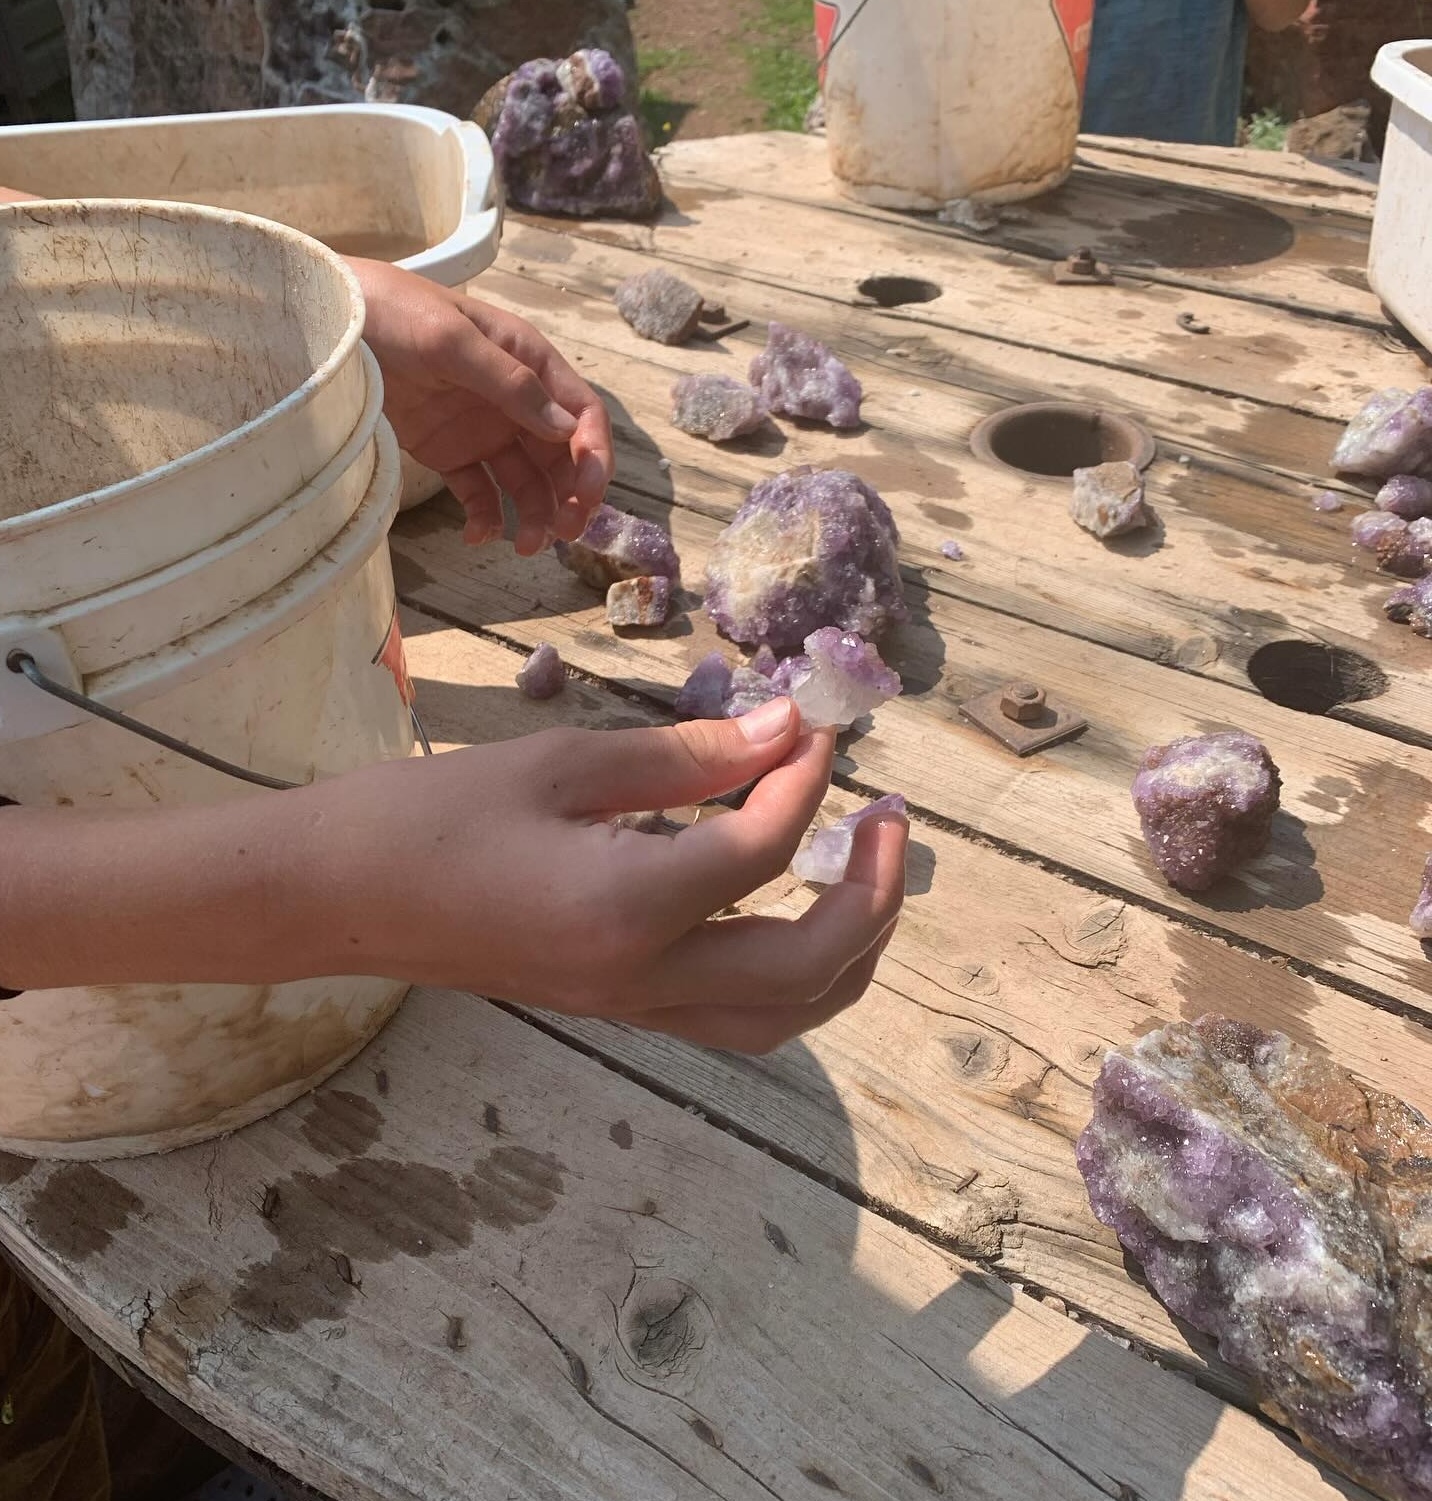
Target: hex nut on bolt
{"x": 1022, "y": 702}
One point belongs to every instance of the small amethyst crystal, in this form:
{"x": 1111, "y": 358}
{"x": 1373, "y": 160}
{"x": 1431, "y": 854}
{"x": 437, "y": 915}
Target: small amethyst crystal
{"x": 1391, "y": 435}
{"x": 1108, "y": 500}
{"x": 806, "y": 549}
{"x": 840, "y": 678}
{"x": 952, "y": 550}
{"x": 825, "y": 858}
{"x": 639, "y": 601}
{"x": 1327, "y": 500}
{"x": 749, "y": 690}
{"x": 616, "y": 546}
{"x": 1206, "y": 804}
{"x": 764, "y": 661}
{"x": 703, "y": 695}
{"x": 1281, "y": 1206}
{"x": 1407, "y": 496}
{"x": 659, "y": 306}
{"x": 717, "y": 407}
{"x": 1421, "y": 919}
{"x": 1412, "y": 606}
{"x": 799, "y": 376}
{"x": 565, "y": 143}
{"x": 542, "y": 675}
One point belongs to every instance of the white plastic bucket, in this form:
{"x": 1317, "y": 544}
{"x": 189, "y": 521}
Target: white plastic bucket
{"x": 275, "y": 647}
{"x": 1399, "y": 267}
{"x": 927, "y": 101}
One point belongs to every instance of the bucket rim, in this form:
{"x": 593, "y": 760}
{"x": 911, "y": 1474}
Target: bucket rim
{"x": 83, "y": 209}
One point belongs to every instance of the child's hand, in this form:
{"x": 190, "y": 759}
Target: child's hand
{"x": 480, "y": 396}
{"x": 498, "y": 870}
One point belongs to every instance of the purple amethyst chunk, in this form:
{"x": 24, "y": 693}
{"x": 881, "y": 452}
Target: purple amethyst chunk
{"x": 1407, "y": 496}
{"x": 563, "y": 141}
{"x": 639, "y": 601}
{"x": 843, "y": 679}
{"x": 1284, "y": 1208}
{"x": 718, "y": 407}
{"x": 807, "y": 549}
{"x": 749, "y": 690}
{"x": 617, "y": 546}
{"x": 703, "y": 694}
{"x": 1391, "y": 435}
{"x": 1206, "y": 804}
{"x": 764, "y": 661}
{"x": 1412, "y": 606}
{"x": 1327, "y": 500}
{"x": 825, "y": 858}
{"x": 800, "y": 377}
{"x": 659, "y": 306}
{"x": 1421, "y": 919}
{"x": 1402, "y": 547}
{"x": 952, "y": 550}
{"x": 542, "y": 675}
{"x": 1108, "y": 499}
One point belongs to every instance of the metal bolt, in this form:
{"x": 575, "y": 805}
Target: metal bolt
{"x": 1083, "y": 262}
{"x": 1022, "y": 702}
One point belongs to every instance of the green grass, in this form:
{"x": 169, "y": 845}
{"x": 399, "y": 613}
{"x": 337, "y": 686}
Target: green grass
{"x": 783, "y": 63}
{"x": 660, "y": 113}
{"x": 1266, "y": 131}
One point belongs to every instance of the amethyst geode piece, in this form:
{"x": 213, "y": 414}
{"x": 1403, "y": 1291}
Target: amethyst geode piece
{"x": 808, "y": 548}
{"x": 837, "y": 679}
{"x": 1391, "y": 435}
{"x": 800, "y": 377}
{"x": 1407, "y": 496}
{"x": 718, "y": 407}
{"x": 1284, "y": 1208}
{"x": 1206, "y": 804}
{"x": 1412, "y": 606}
{"x": 564, "y": 141}
{"x": 617, "y": 546}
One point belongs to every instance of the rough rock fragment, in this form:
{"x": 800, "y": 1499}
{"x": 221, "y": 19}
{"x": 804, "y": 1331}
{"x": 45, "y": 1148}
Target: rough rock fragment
{"x": 825, "y": 858}
{"x": 1327, "y": 500}
{"x": 564, "y": 140}
{"x": 1421, "y": 919}
{"x": 806, "y": 549}
{"x": 1284, "y": 1208}
{"x": 1108, "y": 499}
{"x": 718, "y": 407}
{"x": 659, "y": 306}
{"x": 1412, "y": 606}
{"x": 749, "y": 690}
{"x": 840, "y": 678}
{"x": 1407, "y": 496}
{"x": 1206, "y": 804}
{"x": 1369, "y": 528}
{"x": 542, "y": 675}
{"x": 703, "y": 694}
{"x": 764, "y": 661}
{"x": 639, "y": 601}
{"x": 617, "y": 546}
{"x": 969, "y": 213}
{"x": 1391, "y": 435}
{"x": 1402, "y": 547}
{"x": 800, "y": 377}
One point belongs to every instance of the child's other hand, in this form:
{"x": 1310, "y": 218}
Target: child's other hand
{"x": 480, "y": 396}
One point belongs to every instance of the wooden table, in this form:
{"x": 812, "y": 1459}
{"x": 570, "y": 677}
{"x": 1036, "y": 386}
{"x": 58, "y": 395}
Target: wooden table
{"x": 864, "y": 1266}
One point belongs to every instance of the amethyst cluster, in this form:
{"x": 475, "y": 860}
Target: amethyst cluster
{"x": 718, "y": 407}
{"x": 1391, "y": 435}
{"x": 806, "y": 549}
{"x": 799, "y": 377}
{"x": 616, "y": 546}
{"x": 564, "y": 141}
{"x": 1421, "y": 920}
{"x": 1284, "y": 1208}
{"x": 825, "y": 858}
{"x": 1206, "y": 804}
{"x": 1412, "y": 606}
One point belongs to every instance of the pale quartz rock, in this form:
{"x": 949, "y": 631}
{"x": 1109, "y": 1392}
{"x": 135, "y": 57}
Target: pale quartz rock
{"x": 825, "y": 858}
{"x": 542, "y": 675}
{"x": 617, "y": 546}
{"x": 1108, "y": 500}
{"x": 844, "y": 679}
{"x": 718, "y": 407}
{"x": 952, "y": 550}
{"x": 639, "y": 602}
{"x": 1327, "y": 500}
{"x": 1391, "y": 435}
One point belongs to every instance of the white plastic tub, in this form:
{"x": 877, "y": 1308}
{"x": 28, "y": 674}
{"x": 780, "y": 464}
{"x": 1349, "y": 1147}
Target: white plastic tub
{"x": 1400, "y": 262}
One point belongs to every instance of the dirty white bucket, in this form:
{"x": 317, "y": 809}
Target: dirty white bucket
{"x": 1401, "y": 250}
{"x": 396, "y": 182}
{"x": 927, "y": 101}
{"x": 274, "y": 646}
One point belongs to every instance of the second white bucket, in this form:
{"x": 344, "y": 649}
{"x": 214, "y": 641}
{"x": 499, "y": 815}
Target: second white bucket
{"x": 927, "y": 101}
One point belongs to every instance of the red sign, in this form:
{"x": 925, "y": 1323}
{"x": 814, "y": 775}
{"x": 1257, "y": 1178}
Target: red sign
{"x": 1076, "y": 21}
{"x": 391, "y": 656}
{"x": 827, "y": 20}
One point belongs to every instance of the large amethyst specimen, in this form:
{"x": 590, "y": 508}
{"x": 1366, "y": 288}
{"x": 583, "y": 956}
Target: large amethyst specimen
{"x": 800, "y": 377}
{"x": 839, "y": 678}
{"x": 807, "y": 549}
{"x": 825, "y": 858}
{"x": 659, "y": 306}
{"x": 1391, "y": 435}
{"x": 564, "y": 141}
{"x": 718, "y": 407}
{"x": 1412, "y": 606}
{"x": 1284, "y": 1208}
{"x": 617, "y": 546}
{"x": 1206, "y": 804}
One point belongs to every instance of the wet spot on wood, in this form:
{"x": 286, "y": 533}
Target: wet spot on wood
{"x": 80, "y": 1210}
{"x": 620, "y": 1133}
{"x": 780, "y": 1240}
{"x": 341, "y": 1124}
{"x": 492, "y": 1120}
{"x": 13, "y": 1168}
{"x": 819, "y": 1477}
{"x": 514, "y": 1186}
{"x": 945, "y": 516}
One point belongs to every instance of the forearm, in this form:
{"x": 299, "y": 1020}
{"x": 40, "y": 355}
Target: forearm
{"x": 1275, "y": 15}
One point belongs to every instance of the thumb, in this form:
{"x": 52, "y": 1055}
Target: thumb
{"x": 473, "y": 361}
{"x": 629, "y": 771}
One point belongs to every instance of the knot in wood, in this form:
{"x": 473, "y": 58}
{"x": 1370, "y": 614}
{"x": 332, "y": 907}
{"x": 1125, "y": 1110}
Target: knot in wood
{"x": 664, "y": 1327}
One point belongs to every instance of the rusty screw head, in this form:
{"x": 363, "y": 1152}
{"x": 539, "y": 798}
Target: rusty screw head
{"x": 1083, "y": 262}
{"x": 1022, "y": 702}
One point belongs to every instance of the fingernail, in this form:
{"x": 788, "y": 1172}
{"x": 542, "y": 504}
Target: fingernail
{"x": 559, "y": 419}
{"x": 591, "y": 477}
{"x": 767, "y": 723}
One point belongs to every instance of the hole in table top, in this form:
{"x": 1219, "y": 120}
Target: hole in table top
{"x": 1054, "y": 438}
{"x": 897, "y": 291}
{"x": 1313, "y": 678}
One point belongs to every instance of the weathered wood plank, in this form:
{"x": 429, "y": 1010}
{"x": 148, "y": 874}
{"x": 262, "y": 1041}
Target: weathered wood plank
{"x": 649, "y": 1308}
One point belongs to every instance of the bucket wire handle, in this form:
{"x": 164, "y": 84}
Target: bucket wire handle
{"x": 23, "y": 663}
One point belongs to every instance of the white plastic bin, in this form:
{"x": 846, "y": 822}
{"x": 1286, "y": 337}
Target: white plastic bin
{"x": 1400, "y": 261}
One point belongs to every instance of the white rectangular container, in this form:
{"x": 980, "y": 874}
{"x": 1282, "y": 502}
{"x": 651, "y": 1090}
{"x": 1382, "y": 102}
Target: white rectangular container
{"x": 395, "y": 182}
{"x": 1399, "y": 266}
